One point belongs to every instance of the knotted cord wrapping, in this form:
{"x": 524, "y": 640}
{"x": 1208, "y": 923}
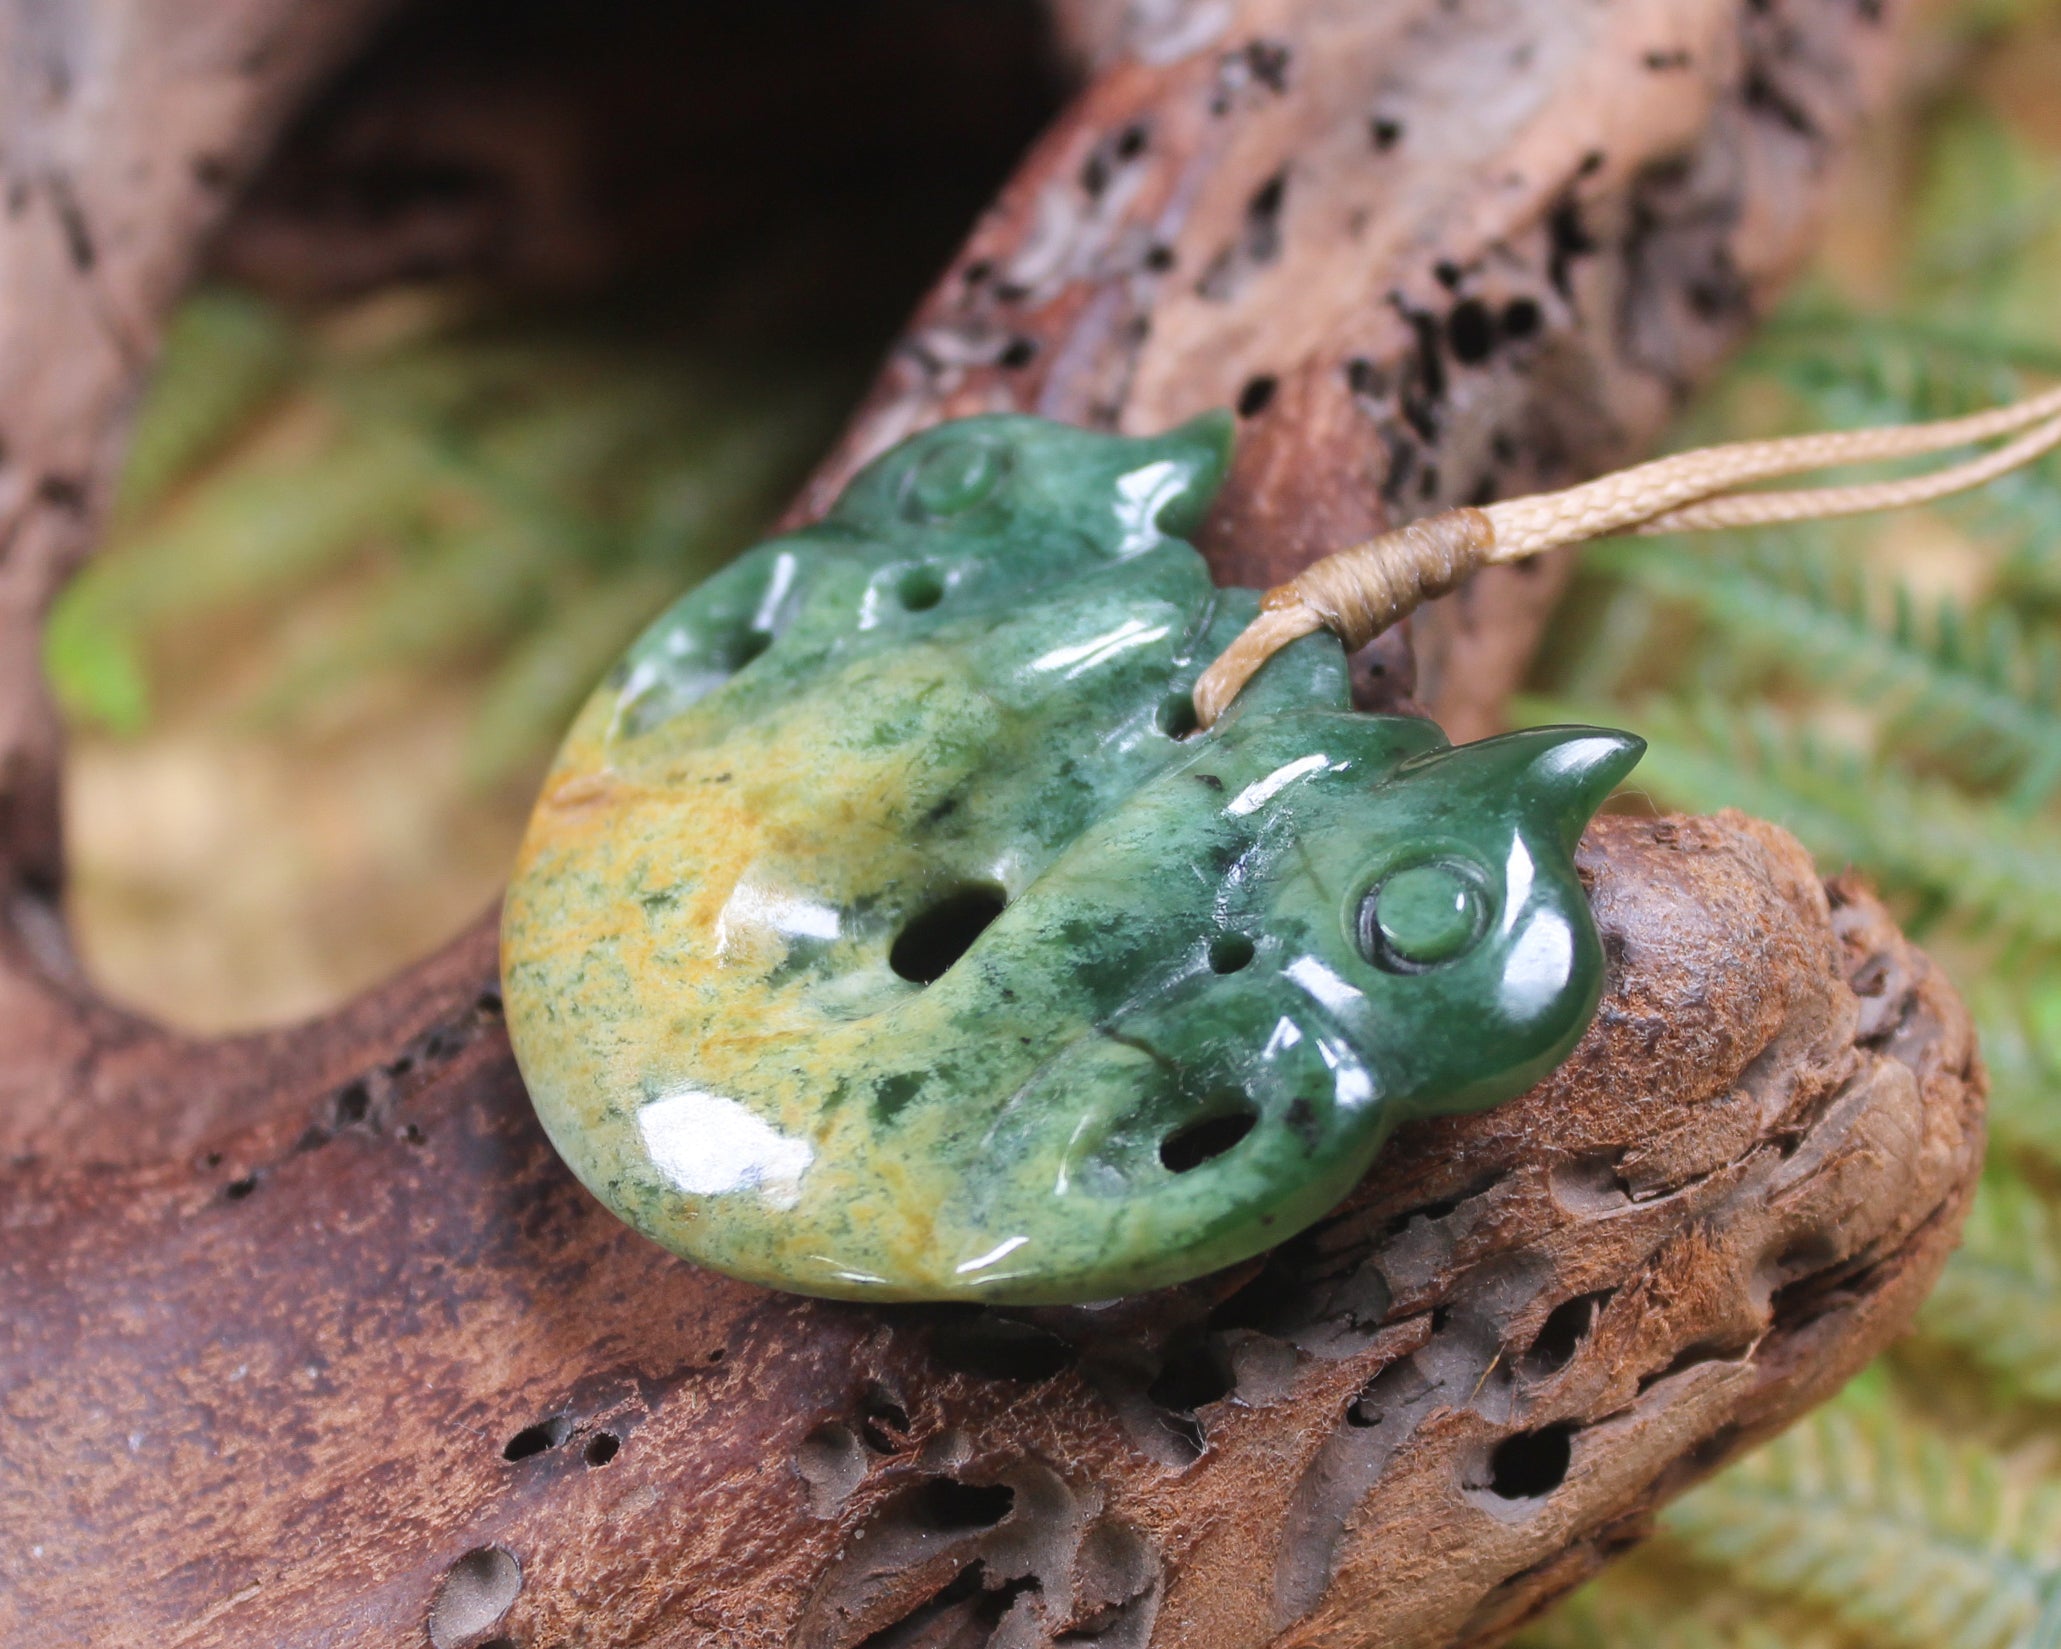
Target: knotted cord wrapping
{"x": 1359, "y": 592}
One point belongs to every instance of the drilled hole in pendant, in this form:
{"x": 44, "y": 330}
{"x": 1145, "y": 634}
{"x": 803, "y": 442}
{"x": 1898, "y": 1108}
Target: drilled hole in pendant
{"x": 1176, "y": 716}
{"x": 939, "y": 936}
{"x": 919, "y": 589}
{"x": 748, "y": 646}
{"x": 1187, "y": 1148}
{"x": 1228, "y": 952}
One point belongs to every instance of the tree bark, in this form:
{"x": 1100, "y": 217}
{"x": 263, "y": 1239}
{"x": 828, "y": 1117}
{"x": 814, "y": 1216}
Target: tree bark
{"x": 307, "y": 1338}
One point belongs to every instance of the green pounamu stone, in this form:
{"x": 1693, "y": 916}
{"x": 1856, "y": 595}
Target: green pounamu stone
{"x": 885, "y": 930}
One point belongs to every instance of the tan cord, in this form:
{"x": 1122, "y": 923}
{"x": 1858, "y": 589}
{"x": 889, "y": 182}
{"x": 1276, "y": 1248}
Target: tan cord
{"x": 1361, "y": 591}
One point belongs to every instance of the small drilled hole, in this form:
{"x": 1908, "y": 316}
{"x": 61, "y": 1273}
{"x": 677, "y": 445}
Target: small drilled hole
{"x": 1176, "y": 716}
{"x": 1257, "y": 395}
{"x": 237, "y": 1189}
{"x": 544, "y": 1435}
{"x": 1188, "y": 1148}
{"x": 749, "y": 646}
{"x": 939, "y": 936}
{"x": 1228, "y": 952}
{"x": 1020, "y": 353}
{"x": 919, "y": 590}
{"x": 1532, "y": 1464}
{"x": 602, "y": 1448}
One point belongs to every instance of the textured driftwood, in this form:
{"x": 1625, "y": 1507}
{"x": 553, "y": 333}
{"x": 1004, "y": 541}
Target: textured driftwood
{"x": 268, "y": 1398}
{"x": 307, "y": 1339}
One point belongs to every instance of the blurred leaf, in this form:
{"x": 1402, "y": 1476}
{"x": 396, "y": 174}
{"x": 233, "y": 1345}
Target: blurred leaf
{"x": 2000, "y": 1300}
{"x": 1904, "y": 1536}
{"x": 225, "y": 354}
{"x": 93, "y": 668}
{"x": 504, "y": 496}
{"x": 1926, "y": 840}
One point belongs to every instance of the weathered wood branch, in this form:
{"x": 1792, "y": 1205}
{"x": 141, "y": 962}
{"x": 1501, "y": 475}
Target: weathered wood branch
{"x": 308, "y": 1338}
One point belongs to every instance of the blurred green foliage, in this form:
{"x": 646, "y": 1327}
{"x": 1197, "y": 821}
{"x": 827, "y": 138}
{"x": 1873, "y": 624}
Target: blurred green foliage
{"x": 467, "y": 491}
{"x": 1891, "y": 691}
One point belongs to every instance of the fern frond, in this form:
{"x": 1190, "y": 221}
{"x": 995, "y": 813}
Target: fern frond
{"x": 267, "y": 524}
{"x": 1978, "y": 687}
{"x": 1991, "y": 873}
{"x": 1849, "y": 371}
{"x": 2018, "y": 1027}
{"x": 533, "y": 695}
{"x": 226, "y": 354}
{"x": 1655, "y": 1599}
{"x": 1999, "y": 1300}
{"x": 1846, "y": 345}
{"x": 1863, "y": 1512}
{"x": 468, "y": 590}
{"x": 1986, "y": 211}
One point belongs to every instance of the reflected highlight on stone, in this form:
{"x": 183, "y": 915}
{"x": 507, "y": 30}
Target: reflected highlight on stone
{"x": 884, "y": 931}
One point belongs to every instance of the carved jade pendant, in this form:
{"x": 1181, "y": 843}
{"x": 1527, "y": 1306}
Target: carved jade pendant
{"x": 885, "y": 931}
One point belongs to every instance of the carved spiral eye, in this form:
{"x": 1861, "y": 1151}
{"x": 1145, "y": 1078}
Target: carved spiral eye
{"x": 1423, "y": 916}
{"x": 952, "y": 477}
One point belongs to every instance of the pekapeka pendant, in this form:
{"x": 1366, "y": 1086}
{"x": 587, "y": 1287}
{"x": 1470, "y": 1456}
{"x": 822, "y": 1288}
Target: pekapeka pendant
{"x": 885, "y": 931}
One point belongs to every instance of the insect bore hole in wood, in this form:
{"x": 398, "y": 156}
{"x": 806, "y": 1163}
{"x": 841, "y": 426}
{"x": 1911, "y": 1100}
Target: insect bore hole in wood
{"x": 1532, "y": 1464}
{"x": 537, "y": 1439}
{"x": 478, "y": 1590}
{"x": 1000, "y": 1348}
{"x": 1562, "y": 1333}
{"x": 946, "y": 1505}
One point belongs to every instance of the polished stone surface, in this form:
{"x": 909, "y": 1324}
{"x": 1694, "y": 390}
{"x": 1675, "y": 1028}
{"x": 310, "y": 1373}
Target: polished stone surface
{"x": 885, "y": 931}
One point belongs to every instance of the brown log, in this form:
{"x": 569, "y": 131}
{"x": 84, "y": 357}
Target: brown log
{"x": 283, "y": 1396}
{"x": 307, "y": 1338}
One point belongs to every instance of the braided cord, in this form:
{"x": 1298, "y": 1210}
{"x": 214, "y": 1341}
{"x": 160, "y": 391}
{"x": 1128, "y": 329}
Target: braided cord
{"x": 1361, "y": 591}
